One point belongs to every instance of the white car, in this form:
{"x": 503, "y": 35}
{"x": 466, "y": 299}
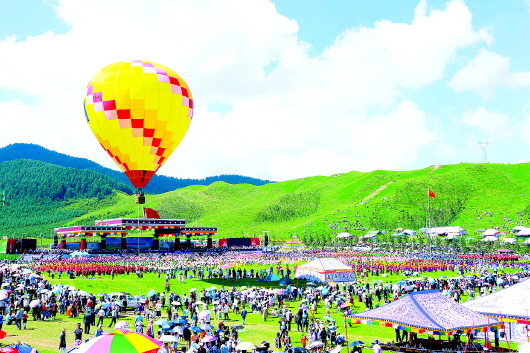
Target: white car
{"x": 131, "y": 300}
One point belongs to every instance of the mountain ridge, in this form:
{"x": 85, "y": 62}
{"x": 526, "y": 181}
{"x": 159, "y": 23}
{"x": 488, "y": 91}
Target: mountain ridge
{"x": 159, "y": 183}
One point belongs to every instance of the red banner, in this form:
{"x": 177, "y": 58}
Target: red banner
{"x": 255, "y": 242}
{"x": 223, "y": 243}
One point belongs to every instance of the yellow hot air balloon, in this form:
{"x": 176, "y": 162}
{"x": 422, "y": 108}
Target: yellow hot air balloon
{"x": 139, "y": 111}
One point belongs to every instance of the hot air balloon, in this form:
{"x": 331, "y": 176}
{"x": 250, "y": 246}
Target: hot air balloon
{"x": 139, "y": 112}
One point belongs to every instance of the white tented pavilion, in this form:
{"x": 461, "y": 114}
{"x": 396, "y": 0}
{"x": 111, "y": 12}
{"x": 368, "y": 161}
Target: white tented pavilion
{"x": 511, "y": 305}
{"x": 325, "y": 270}
{"x": 491, "y": 232}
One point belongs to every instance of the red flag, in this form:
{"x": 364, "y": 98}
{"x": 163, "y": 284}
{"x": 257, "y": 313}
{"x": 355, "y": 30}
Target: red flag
{"x": 431, "y": 194}
{"x": 150, "y": 213}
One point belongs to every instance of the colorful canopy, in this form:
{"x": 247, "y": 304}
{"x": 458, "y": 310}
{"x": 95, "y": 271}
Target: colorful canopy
{"x": 120, "y": 340}
{"x": 427, "y": 312}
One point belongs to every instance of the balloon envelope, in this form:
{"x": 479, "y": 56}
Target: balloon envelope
{"x": 139, "y": 112}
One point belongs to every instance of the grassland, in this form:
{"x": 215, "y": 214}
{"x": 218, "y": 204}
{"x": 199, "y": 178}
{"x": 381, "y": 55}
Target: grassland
{"x": 44, "y": 335}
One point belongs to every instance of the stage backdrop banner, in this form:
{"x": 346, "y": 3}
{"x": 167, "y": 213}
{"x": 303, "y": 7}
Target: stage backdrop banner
{"x": 140, "y": 242}
{"x": 93, "y": 246}
{"x": 113, "y": 242}
{"x": 223, "y": 243}
{"x": 166, "y": 245}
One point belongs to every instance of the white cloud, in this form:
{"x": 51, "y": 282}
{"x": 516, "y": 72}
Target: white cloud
{"x": 307, "y": 116}
{"x": 492, "y": 125}
{"x": 487, "y": 72}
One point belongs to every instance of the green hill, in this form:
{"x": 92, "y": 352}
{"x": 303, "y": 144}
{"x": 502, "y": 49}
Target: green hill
{"x": 474, "y": 196}
{"x": 353, "y": 202}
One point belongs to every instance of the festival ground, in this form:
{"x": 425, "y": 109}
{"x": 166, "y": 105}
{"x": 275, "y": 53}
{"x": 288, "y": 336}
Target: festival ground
{"x": 44, "y": 335}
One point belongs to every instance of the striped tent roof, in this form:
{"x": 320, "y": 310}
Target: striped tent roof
{"x": 426, "y": 312}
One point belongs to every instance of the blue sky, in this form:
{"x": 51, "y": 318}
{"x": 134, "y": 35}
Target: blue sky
{"x": 288, "y": 88}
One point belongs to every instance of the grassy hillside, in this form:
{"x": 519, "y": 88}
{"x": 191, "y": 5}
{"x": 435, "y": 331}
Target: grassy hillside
{"x": 39, "y": 196}
{"x": 352, "y": 202}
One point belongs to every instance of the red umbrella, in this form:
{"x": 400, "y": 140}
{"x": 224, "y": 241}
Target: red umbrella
{"x": 2, "y": 334}
{"x": 8, "y": 350}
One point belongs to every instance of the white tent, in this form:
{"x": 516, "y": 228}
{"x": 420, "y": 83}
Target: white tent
{"x": 508, "y": 240}
{"x": 516, "y": 229}
{"x": 527, "y": 241}
{"x": 456, "y": 230}
{"x": 511, "y": 304}
{"x": 525, "y": 232}
{"x": 491, "y": 231}
{"x": 343, "y": 235}
{"x": 489, "y": 239}
{"x": 325, "y": 270}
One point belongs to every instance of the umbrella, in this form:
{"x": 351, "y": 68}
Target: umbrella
{"x": 245, "y": 346}
{"x": 120, "y": 340}
{"x": 22, "y": 348}
{"x": 237, "y": 327}
{"x": 329, "y": 318}
{"x": 206, "y": 327}
{"x": 345, "y": 305}
{"x": 196, "y": 329}
{"x": 209, "y": 338}
{"x": 8, "y": 350}
{"x": 161, "y": 322}
{"x": 34, "y": 303}
{"x": 151, "y": 293}
{"x": 198, "y": 302}
{"x": 176, "y": 303}
{"x": 316, "y": 344}
{"x": 176, "y": 330}
{"x": 2, "y": 334}
{"x": 179, "y": 321}
{"x": 192, "y": 290}
{"x": 168, "y": 338}
{"x": 355, "y": 343}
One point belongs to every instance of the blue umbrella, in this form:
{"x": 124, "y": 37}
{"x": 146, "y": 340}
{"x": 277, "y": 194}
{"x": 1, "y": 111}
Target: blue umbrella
{"x": 161, "y": 322}
{"x": 207, "y": 327}
{"x": 196, "y": 329}
{"x": 355, "y": 343}
{"x": 22, "y": 348}
{"x": 179, "y": 321}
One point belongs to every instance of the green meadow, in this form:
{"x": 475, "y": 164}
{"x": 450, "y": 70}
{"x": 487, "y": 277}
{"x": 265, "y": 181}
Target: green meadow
{"x": 44, "y": 335}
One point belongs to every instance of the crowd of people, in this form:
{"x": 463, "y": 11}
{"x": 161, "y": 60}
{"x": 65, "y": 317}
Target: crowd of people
{"x": 27, "y": 294}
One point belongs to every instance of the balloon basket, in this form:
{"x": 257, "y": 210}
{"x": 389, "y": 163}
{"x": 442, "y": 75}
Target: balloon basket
{"x": 140, "y": 199}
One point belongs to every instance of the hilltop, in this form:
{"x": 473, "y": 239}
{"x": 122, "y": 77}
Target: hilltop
{"x": 474, "y": 196}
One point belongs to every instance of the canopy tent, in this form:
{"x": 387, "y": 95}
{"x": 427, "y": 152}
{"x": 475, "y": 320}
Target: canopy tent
{"x": 272, "y": 277}
{"x": 511, "y": 304}
{"x": 284, "y": 281}
{"x": 491, "y": 232}
{"x": 516, "y": 229}
{"x": 325, "y": 270}
{"x": 293, "y": 245}
{"x": 427, "y": 312}
{"x": 343, "y": 235}
{"x": 489, "y": 239}
{"x": 371, "y": 234}
{"x": 455, "y": 230}
{"x": 525, "y": 232}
